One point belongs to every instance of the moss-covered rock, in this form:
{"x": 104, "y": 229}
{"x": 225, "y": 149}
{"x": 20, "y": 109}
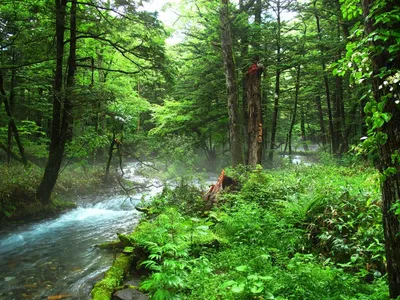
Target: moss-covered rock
{"x": 104, "y": 289}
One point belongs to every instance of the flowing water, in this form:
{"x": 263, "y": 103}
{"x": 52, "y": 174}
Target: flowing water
{"x": 58, "y": 256}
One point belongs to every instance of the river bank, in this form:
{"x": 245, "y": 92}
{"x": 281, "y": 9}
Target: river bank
{"x": 58, "y": 255}
{"x": 18, "y": 185}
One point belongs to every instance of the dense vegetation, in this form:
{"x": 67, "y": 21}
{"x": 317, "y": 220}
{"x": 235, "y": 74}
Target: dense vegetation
{"x": 303, "y": 232}
{"x": 87, "y": 85}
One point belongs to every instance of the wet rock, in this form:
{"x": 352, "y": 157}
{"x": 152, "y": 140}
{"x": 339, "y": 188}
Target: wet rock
{"x": 129, "y": 294}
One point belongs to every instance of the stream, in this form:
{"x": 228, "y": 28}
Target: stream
{"x": 58, "y": 256}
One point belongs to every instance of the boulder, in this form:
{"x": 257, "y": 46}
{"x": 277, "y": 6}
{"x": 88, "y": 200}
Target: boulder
{"x": 129, "y": 294}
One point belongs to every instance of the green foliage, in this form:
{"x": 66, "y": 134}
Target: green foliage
{"x": 169, "y": 238}
{"x": 80, "y": 179}
{"x": 299, "y": 233}
{"x": 176, "y": 157}
{"x": 185, "y": 197}
{"x": 17, "y": 188}
{"x": 383, "y": 39}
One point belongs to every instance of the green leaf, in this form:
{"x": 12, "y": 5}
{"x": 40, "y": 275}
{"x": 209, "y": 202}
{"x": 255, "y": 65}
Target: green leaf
{"x": 242, "y": 268}
{"x": 237, "y": 289}
{"x": 257, "y": 289}
{"x": 228, "y": 283}
{"x": 266, "y": 277}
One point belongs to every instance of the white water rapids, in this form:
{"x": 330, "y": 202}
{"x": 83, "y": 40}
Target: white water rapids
{"x": 57, "y": 256}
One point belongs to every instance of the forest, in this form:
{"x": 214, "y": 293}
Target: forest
{"x": 243, "y": 149}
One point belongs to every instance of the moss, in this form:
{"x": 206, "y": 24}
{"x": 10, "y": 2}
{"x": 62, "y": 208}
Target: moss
{"x": 111, "y": 245}
{"x": 125, "y": 239}
{"x": 104, "y": 289}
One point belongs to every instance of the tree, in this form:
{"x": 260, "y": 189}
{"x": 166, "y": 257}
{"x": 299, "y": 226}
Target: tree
{"x": 231, "y": 84}
{"x": 254, "y": 127}
{"x": 12, "y": 127}
{"x": 385, "y": 57}
{"x": 62, "y": 104}
{"x": 381, "y": 45}
{"x": 278, "y": 6}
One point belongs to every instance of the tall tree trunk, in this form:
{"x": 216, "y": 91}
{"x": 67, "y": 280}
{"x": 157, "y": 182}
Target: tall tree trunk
{"x": 332, "y": 133}
{"x": 110, "y": 155}
{"x": 244, "y": 51}
{"x": 339, "y": 120}
{"x": 303, "y": 128}
{"x": 277, "y": 84}
{"x": 257, "y": 12}
{"x": 232, "y": 87}
{"x": 389, "y": 150}
{"x": 342, "y": 30}
{"x": 321, "y": 119}
{"x": 62, "y": 114}
{"x": 254, "y": 133}
{"x": 296, "y": 100}
{"x": 11, "y": 121}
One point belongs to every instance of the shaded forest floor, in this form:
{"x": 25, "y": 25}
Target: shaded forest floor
{"x": 302, "y": 232}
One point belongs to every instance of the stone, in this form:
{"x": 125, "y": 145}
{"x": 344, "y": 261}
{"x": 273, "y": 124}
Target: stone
{"x": 129, "y": 294}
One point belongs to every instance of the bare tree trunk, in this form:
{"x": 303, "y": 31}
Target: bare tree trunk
{"x": 62, "y": 114}
{"x": 277, "y": 84}
{"x": 303, "y": 128}
{"x": 232, "y": 87}
{"x": 332, "y": 133}
{"x": 388, "y": 150}
{"x": 321, "y": 119}
{"x": 110, "y": 155}
{"x": 253, "y": 83}
{"x": 296, "y": 100}
{"x": 12, "y": 124}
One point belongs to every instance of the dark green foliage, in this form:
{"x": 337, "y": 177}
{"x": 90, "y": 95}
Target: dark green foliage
{"x": 270, "y": 239}
{"x": 18, "y": 190}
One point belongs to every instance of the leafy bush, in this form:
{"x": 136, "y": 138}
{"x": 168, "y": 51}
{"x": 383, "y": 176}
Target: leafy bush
{"x": 17, "y": 188}
{"x": 169, "y": 239}
{"x": 298, "y": 233}
{"x": 80, "y": 179}
{"x": 185, "y": 197}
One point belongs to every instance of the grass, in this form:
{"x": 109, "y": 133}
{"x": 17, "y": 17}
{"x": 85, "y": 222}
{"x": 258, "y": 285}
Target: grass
{"x": 18, "y": 190}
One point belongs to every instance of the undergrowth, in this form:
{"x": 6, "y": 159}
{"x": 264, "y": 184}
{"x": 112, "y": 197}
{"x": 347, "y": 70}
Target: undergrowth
{"x": 300, "y": 233}
{"x": 18, "y": 186}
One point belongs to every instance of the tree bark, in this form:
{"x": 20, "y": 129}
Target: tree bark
{"x": 254, "y": 133}
{"x": 232, "y": 87}
{"x": 110, "y": 155}
{"x": 303, "y": 128}
{"x": 277, "y": 84}
{"x": 332, "y": 133}
{"x": 296, "y": 100}
{"x": 321, "y": 119}
{"x": 389, "y": 150}
{"x": 62, "y": 104}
